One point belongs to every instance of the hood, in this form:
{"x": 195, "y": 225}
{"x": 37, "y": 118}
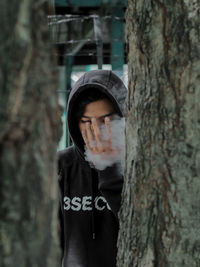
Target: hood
{"x": 103, "y": 80}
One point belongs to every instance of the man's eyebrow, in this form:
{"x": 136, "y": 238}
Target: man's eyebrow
{"x": 103, "y": 116}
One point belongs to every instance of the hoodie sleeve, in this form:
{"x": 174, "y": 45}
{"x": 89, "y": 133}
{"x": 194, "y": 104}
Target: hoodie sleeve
{"x": 64, "y": 159}
{"x": 110, "y": 185}
{"x": 60, "y": 209}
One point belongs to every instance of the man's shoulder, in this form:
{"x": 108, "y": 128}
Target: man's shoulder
{"x": 67, "y": 153}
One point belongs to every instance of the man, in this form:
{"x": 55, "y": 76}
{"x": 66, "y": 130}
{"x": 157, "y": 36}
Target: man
{"x": 89, "y": 197}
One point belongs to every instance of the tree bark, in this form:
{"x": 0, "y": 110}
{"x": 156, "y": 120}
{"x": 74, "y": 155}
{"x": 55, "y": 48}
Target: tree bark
{"x": 160, "y": 215}
{"x": 29, "y": 132}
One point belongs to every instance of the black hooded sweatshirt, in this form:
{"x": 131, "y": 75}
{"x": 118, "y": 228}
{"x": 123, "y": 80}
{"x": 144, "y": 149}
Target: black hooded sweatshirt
{"x": 89, "y": 198}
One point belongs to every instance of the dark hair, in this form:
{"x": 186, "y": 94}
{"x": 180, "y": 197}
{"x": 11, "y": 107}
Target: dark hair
{"x": 88, "y": 96}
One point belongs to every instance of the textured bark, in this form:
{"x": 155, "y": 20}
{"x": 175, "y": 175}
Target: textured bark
{"x": 29, "y": 132}
{"x": 160, "y": 215}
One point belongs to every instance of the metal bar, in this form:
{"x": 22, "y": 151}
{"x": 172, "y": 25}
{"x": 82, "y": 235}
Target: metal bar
{"x": 70, "y": 17}
{"x": 117, "y": 41}
{"x": 51, "y": 6}
{"x": 90, "y": 3}
{"x": 98, "y": 39}
{"x": 51, "y": 10}
{"x": 68, "y": 71}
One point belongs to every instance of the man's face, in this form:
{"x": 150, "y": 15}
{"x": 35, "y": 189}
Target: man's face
{"x": 99, "y": 110}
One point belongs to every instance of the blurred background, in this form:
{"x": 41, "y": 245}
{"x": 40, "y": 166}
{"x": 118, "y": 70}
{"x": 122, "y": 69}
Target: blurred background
{"x": 87, "y": 35}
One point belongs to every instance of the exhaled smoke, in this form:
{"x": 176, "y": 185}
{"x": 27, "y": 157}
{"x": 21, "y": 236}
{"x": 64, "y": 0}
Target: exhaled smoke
{"x": 117, "y": 155}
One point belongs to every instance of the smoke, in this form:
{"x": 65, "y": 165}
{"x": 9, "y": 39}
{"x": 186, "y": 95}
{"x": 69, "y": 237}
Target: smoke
{"x": 117, "y": 156}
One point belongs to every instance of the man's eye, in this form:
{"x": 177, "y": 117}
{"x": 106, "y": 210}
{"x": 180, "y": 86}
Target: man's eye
{"x": 85, "y": 121}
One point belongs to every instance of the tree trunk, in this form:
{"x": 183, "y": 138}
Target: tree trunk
{"x": 29, "y": 132}
{"x": 160, "y": 215}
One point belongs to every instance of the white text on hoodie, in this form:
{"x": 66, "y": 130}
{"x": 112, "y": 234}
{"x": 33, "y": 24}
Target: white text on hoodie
{"x": 85, "y": 203}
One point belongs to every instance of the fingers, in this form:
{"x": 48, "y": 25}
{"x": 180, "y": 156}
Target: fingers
{"x": 93, "y": 139}
{"x": 89, "y": 133}
{"x": 108, "y": 133}
{"x": 97, "y": 134}
{"x": 85, "y": 138}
